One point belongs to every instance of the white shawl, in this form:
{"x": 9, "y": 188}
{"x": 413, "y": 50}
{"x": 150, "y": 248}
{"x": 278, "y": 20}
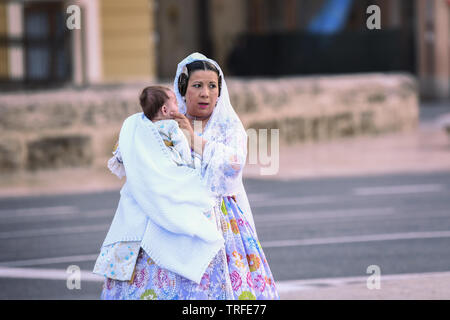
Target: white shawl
{"x": 227, "y": 143}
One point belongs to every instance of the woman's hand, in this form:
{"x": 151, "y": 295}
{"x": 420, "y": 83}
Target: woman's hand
{"x": 184, "y": 124}
{"x": 195, "y": 142}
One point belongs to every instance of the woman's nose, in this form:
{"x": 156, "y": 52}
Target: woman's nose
{"x": 204, "y": 92}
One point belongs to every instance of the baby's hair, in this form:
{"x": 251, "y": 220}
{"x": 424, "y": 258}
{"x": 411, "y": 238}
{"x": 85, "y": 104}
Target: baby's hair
{"x": 152, "y": 99}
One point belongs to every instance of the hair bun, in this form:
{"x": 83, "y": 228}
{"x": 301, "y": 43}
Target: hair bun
{"x": 183, "y": 81}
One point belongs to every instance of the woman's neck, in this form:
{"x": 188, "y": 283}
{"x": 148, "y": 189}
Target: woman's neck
{"x": 204, "y": 120}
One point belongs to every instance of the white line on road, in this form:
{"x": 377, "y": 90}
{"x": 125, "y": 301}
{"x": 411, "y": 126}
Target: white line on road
{"x": 262, "y": 219}
{"x": 258, "y": 196}
{"x": 401, "y": 189}
{"x": 305, "y": 215}
{"x": 355, "y": 239}
{"x": 44, "y": 261}
{"x": 289, "y": 201}
{"x": 266, "y": 244}
{"x": 40, "y": 211}
{"x": 55, "y": 217}
{"x": 53, "y": 231}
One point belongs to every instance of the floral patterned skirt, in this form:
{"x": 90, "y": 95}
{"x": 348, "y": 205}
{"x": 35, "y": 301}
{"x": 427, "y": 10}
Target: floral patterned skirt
{"x": 239, "y": 271}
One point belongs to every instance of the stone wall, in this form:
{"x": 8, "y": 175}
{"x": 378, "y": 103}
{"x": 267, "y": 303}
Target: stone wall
{"x": 68, "y": 127}
{"x": 321, "y": 108}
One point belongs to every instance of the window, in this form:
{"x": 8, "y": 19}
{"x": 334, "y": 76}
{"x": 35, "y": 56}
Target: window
{"x": 46, "y": 43}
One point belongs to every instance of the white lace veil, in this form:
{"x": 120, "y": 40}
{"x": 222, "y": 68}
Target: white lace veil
{"x": 223, "y": 127}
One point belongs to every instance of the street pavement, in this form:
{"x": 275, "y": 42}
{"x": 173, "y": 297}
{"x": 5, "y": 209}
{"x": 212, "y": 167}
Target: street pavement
{"x": 323, "y": 221}
{"x": 318, "y": 234}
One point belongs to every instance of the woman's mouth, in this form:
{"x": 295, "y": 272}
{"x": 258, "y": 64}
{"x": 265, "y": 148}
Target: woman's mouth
{"x": 203, "y": 105}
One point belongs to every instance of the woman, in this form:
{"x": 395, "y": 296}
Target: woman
{"x": 239, "y": 270}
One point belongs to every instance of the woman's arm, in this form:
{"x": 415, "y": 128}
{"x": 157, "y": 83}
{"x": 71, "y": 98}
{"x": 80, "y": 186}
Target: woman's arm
{"x": 224, "y": 161}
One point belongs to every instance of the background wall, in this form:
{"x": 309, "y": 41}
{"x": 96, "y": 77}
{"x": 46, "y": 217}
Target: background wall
{"x": 127, "y": 50}
{"x": 67, "y": 127}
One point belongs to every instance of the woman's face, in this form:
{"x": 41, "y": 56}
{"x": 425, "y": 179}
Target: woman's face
{"x": 202, "y": 93}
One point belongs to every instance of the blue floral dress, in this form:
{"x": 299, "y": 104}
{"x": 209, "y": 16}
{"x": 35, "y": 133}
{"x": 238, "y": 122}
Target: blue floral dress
{"x": 239, "y": 271}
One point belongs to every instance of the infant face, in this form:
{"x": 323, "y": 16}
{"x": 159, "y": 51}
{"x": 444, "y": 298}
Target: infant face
{"x": 169, "y": 106}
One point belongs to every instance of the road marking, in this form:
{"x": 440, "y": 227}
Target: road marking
{"x": 54, "y": 231}
{"x": 99, "y": 213}
{"x": 54, "y": 260}
{"x": 258, "y": 196}
{"x": 356, "y": 239}
{"x": 299, "y": 200}
{"x": 78, "y": 215}
{"x": 306, "y": 215}
{"x": 41, "y": 211}
{"x": 46, "y": 274}
{"x": 401, "y": 189}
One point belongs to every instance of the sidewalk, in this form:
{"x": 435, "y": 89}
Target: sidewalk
{"x": 425, "y": 286}
{"x": 425, "y": 150}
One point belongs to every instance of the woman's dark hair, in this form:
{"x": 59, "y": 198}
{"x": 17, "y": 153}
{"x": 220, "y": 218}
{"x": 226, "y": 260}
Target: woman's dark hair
{"x": 152, "y": 99}
{"x": 183, "y": 79}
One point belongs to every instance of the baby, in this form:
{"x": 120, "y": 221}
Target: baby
{"x": 117, "y": 261}
{"x": 157, "y": 102}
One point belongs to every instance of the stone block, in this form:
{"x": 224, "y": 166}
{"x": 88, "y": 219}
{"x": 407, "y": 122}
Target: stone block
{"x": 11, "y": 155}
{"x": 58, "y": 152}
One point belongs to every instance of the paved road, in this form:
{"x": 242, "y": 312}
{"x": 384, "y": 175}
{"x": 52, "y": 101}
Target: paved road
{"x": 319, "y": 228}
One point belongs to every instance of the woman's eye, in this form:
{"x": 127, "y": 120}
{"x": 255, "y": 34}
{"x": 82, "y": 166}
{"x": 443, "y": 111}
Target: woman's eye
{"x": 197, "y": 85}
{"x": 212, "y": 85}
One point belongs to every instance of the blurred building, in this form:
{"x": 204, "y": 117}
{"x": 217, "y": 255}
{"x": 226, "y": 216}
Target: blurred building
{"x": 433, "y": 47}
{"x": 114, "y": 43}
{"x": 141, "y": 40}
{"x": 298, "y": 37}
